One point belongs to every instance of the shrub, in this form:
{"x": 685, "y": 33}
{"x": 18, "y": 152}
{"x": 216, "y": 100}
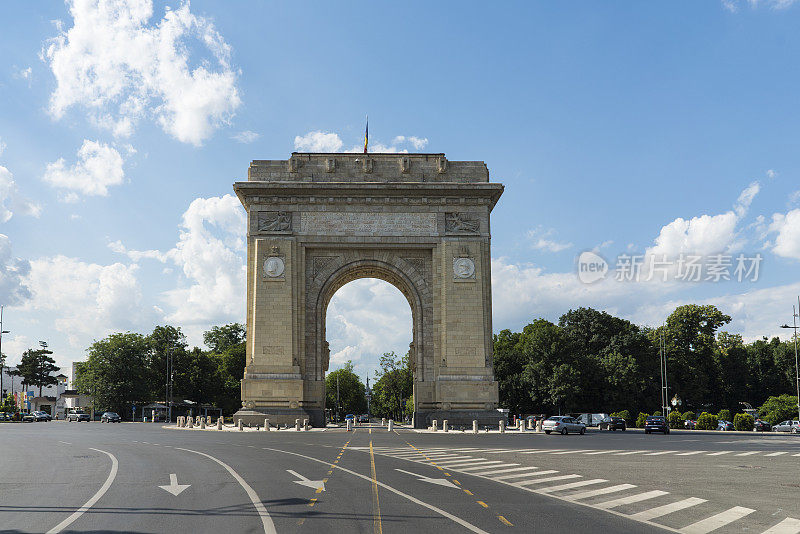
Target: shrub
{"x": 657, "y": 412}
{"x": 743, "y": 422}
{"x": 625, "y": 414}
{"x": 724, "y": 415}
{"x": 675, "y": 419}
{"x": 707, "y": 421}
{"x": 641, "y": 420}
{"x": 777, "y": 409}
{"x": 689, "y": 416}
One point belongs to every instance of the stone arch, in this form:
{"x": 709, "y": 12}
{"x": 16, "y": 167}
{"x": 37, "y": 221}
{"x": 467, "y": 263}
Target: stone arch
{"x": 389, "y": 267}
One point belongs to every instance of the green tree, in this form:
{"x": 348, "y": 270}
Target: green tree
{"x": 116, "y": 372}
{"x": 724, "y": 415}
{"x": 220, "y": 338}
{"x": 779, "y": 408}
{"x": 689, "y": 416}
{"x": 352, "y": 392}
{"x": 641, "y": 420}
{"x": 393, "y": 386}
{"x": 509, "y": 365}
{"x": 36, "y": 368}
{"x": 551, "y": 368}
{"x": 163, "y": 342}
{"x": 707, "y": 421}
{"x": 675, "y": 419}
{"x": 197, "y": 376}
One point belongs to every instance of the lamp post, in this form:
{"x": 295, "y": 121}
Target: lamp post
{"x": 2, "y": 360}
{"x": 796, "y": 367}
{"x": 169, "y": 384}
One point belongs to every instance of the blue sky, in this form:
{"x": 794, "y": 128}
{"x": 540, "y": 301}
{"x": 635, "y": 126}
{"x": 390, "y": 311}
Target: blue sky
{"x": 641, "y": 128}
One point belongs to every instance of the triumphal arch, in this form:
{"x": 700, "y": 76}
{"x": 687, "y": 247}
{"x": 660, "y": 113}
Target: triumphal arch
{"x": 418, "y": 221}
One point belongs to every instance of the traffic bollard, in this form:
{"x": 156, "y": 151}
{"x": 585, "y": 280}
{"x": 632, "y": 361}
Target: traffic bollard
{"x": 202, "y": 423}
{"x": 474, "y": 427}
{"x": 349, "y": 425}
{"x": 502, "y": 425}
{"x": 434, "y": 425}
{"x": 297, "y": 424}
{"x": 539, "y": 425}
{"x": 266, "y": 425}
{"x": 190, "y": 422}
{"x": 391, "y": 425}
{"x": 219, "y": 423}
{"x": 383, "y": 421}
{"x": 445, "y": 427}
{"x": 240, "y": 425}
{"x": 522, "y": 425}
{"x": 305, "y": 425}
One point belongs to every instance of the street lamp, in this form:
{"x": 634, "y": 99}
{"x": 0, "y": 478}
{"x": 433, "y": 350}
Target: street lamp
{"x": 796, "y": 367}
{"x": 168, "y": 387}
{"x": 2, "y": 360}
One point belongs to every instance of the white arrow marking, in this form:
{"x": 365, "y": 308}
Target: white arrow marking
{"x": 316, "y": 484}
{"x": 439, "y": 481}
{"x": 174, "y": 488}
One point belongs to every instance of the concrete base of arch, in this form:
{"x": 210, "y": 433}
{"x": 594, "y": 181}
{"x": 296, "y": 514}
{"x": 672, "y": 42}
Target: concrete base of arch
{"x": 280, "y": 416}
{"x": 458, "y": 418}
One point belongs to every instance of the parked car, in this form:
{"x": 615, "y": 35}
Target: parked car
{"x": 363, "y": 418}
{"x": 563, "y": 424}
{"x": 787, "y": 426}
{"x": 110, "y": 417}
{"x": 78, "y": 416}
{"x": 592, "y": 419}
{"x": 5, "y": 416}
{"x": 350, "y": 417}
{"x": 690, "y": 424}
{"x": 613, "y": 423}
{"x": 761, "y": 426}
{"x": 656, "y": 423}
{"x": 724, "y": 425}
{"x": 28, "y": 418}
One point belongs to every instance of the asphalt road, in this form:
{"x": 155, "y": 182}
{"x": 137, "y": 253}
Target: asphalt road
{"x": 92, "y": 477}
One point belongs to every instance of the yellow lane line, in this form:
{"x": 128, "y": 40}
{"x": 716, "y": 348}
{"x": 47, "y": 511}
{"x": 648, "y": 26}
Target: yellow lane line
{"x": 377, "y": 526}
{"x": 505, "y": 521}
{"x": 482, "y": 504}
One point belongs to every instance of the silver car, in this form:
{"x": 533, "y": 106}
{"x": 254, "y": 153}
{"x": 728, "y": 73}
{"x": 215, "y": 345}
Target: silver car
{"x": 787, "y": 426}
{"x": 563, "y": 424}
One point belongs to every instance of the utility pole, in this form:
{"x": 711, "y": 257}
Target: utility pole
{"x": 338, "y": 414}
{"x": 663, "y": 365}
{"x": 796, "y": 366}
{"x": 2, "y": 360}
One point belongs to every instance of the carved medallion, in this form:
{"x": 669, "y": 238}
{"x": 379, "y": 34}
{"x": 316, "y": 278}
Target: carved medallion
{"x": 274, "y": 267}
{"x": 463, "y": 268}
{"x": 275, "y": 221}
{"x": 460, "y": 223}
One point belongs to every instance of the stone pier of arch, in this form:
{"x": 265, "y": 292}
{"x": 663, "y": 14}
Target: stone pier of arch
{"x": 418, "y": 221}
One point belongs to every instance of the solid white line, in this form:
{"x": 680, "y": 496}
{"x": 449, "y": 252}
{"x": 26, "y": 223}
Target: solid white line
{"x": 468, "y": 469}
{"x": 690, "y": 453}
{"x": 439, "y": 511}
{"x": 493, "y": 472}
{"x": 572, "y": 485}
{"x": 534, "y": 451}
{"x": 64, "y": 442}
{"x": 602, "y": 452}
{"x": 659, "y": 453}
{"x": 750, "y": 453}
{"x": 789, "y": 525}
{"x": 517, "y": 475}
{"x": 630, "y": 452}
{"x": 573, "y": 452}
{"x": 266, "y": 520}
{"x": 601, "y": 491}
{"x": 777, "y": 453}
{"x": 798, "y": 454}
{"x": 102, "y": 491}
{"x": 719, "y": 453}
{"x": 659, "y": 511}
{"x": 631, "y": 499}
{"x": 717, "y": 521}
{"x": 457, "y": 462}
{"x": 480, "y": 465}
{"x": 546, "y": 479}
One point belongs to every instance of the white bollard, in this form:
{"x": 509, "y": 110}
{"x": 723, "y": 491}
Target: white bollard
{"x": 474, "y": 427}
{"x": 305, "y": 425}
{"x": 240, "y": 425}
{"x": 435, "y": 425}
{"x": 266, "y": 425}
{"x": 502, "y": 426}
{"x": 522, "y": 425}
{"x": 391, "y": 425}
{"x": 297, "y": 424}
{"x": 190, "y": 422}
{"x": 530, "y": 424}
{"x": 383, "y": 421}
{"x": 349, "y": 425}
{"x": 445, "y": 426}
{"x": 219, "y": 423}
{"x": 539, "y": 424}
{"x": 203, "y": 423}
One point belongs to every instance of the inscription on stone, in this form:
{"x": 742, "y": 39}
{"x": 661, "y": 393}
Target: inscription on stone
{"x": 368, "y": 224}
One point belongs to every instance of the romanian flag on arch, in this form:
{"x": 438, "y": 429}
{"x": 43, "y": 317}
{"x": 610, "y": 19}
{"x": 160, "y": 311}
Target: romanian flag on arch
{"x": 366, "y": 136}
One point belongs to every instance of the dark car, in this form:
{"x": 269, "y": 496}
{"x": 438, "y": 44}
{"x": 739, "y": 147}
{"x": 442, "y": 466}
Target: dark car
{"x": 656, "y": 423}
{"x": 761, "y": 426}
{"x": 28, "y": 418}
{"x": 110, "y": 417}
{"x": 690, "y": 424}
{"x": 42, "y": 416}
{"x": 724, "y": 425}
{"x": 613, "y": 423}
{"x": 78, "y": 416}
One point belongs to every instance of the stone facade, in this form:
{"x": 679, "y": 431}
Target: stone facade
{"x": 417, "y": 221}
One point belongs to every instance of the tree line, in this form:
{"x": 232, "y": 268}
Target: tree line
{"x": 129, "y": 368}
{"x": 591, "y": 361}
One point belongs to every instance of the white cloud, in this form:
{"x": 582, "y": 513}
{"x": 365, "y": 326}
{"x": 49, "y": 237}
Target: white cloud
{"x": 771, "y": 174}
{"x": 11, "y": 201}
{"x": 99, "y": 166}
{"x": 417, "y": 142}
{"x": 539, "y": 240}
{"x": 121, "y": 67}
{"x": 701, "y": 235}
{"x": 733, "y": 5}
{"x": 13, "y": 289}
{"x": 88, "y": 300}
{"x": 3, "y": 147}
{"x": 318, "y": 141}
{"x": 794, "y": 197}
{"x": 787, "y": 242}
{"x": 246, "y": 136}
{"x": 746, "y": 198}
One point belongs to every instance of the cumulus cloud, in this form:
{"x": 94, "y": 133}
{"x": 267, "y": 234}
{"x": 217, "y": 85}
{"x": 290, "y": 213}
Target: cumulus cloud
{"x": 319, "y": 141}
{"x": 746, "y": 198}
{"x": 539, "y": 239}
{"x": 246, "y": 136}
{"x": 88, "y": 300}
{"x": 122, "y": 67}
{"x": 3, "y": 147}
{"x": 99, "y": 166}
{"x": 13, "y": 271}
{"x": 733, "y": 5}
{"x": 787, "y": 227}
{"x": 210, "y": 253}
{"x": 11, "y": 201}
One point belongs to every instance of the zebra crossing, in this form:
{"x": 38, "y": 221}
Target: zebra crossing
{"x": 646, "y": 506}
